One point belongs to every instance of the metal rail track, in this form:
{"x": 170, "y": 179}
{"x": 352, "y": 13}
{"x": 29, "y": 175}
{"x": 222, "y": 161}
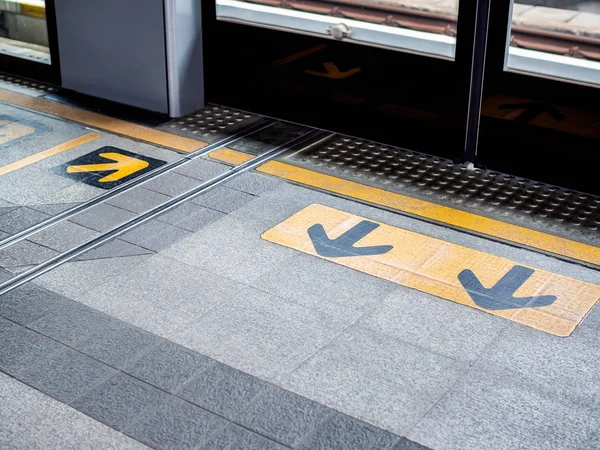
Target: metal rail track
{"x": 18, "y": 280}
{"x": 254, "y": 128}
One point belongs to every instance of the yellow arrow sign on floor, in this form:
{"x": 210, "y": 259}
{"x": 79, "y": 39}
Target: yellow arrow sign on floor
{"x": 123, "y": 166}
{"x": 533, "y": 297}
{"x": 333, "y": 72}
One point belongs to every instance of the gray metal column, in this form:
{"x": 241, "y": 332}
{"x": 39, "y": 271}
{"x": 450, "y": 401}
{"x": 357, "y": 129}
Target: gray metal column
{"x": 183, "y": 19}
{"x": 144, "y": 53}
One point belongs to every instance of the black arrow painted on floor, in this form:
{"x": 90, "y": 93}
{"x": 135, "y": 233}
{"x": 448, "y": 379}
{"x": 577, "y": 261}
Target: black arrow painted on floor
{"x": 344, "y": 244}
{"x": 501, "y": 295}
{"x": 533, "y": 110}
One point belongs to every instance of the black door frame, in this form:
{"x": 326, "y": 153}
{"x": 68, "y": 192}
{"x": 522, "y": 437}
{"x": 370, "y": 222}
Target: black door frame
{"x": 49, "y": 73}
{"x": 544, "y": 154}
{"x": 460, "y": 69}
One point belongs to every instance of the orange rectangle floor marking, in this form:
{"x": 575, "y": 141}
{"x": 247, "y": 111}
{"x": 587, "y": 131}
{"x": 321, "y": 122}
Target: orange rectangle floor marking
{"x": 533, "y": 297}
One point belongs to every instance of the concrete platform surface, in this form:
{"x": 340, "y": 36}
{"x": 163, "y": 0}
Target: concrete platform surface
{"x": 193, "y": 331}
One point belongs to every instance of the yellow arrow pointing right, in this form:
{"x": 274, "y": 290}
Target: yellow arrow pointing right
{"x": 123, "y": 166}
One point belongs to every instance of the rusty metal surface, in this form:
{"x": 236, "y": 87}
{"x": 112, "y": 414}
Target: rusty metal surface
{"x": 516, "y": 200}
{"x": 528, "y": 38}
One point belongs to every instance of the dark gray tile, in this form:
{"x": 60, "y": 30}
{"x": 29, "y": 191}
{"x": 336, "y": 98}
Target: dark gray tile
{"x": 7, "y": 326}
{"x": 223, "y": 199}
{"x": 238, "y": 438}
{"x": 343, "y": 432}
{"x": 7, "y": 209}
{"x": 71, "y": 322}
{"x": 405, "y": 444}
{"x": 202, "y": 169}
{"x": 284, "y": 416}
{"x": 63, "y": 236}
{"x": 155, "y": 235}
{"x": 223, "y": 390}
{"x": 190, "y": 216}
{"x": 22, "y": 348}
{"x": 103, "y": 217}
{"x": 20, "y": 219}
{"x": 114, "y": 249}
{"x": 29, "y": 302}
{"x": 253, "y": 183}
{"x": 55, "y": 208}
{"x": 120, "y": 400}
{"x": 118, "y": 343}
{"x": 169, "y": 366}
{"x": 67, "y": 375}
{"x": 176, "y": 425}
{"x": 171, "y": 184}
{"x": 5, "y": 275}
{"x": 25, "y": 253}
{"x": 138, "y": 200}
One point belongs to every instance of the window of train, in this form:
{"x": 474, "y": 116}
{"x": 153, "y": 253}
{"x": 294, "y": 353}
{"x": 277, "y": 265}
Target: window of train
{"x": 23, "y": 29}
{"x": 420, "y": 26}
{"x": 556, "y": 38}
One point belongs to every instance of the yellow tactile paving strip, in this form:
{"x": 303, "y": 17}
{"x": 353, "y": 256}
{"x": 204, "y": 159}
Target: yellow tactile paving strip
{"x": 102, "y": 122}
{"x": 444, "y": 214}
{"x": 433, "y": 266}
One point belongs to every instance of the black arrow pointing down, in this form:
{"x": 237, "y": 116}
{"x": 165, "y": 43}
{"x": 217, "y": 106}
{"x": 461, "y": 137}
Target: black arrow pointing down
{"x": 344, "y": 244}
{"x": 501, "y": 295}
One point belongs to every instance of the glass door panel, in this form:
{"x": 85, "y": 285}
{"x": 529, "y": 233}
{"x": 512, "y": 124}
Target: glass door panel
{"x": 541, "y": 105}
{"x": 386, "y": 70}
{"x": 28, "y": 43}
{"x": 24, "y": 30}
{"x": 421, "y": 26}
{"x": 556, "y": 38}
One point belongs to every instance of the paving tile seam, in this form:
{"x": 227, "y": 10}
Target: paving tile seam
{"x": 156, "y": 211}
{"x": 135, "y": 182}
{"x": 459, "y": 378}
{"x": 123, "y": 371}
{"x": 41, "y": 423}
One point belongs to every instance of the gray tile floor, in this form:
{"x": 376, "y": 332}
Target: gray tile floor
{"x": 241, "y": 340}
{"x": 193, "y": 332}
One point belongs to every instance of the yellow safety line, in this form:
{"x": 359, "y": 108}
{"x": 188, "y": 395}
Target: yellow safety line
{"x": 444, "y": 214}
{"x": 47, "y": 153}
{"x": 100, "y": 121}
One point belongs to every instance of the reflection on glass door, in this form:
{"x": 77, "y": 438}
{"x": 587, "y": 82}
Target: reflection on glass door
{"x": 24, "y": 30}
{"x": 556, "y": 38}
{"x": 420, "y": 26}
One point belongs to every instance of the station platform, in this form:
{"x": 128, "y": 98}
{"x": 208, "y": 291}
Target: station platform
{"x": 230, "y": 281}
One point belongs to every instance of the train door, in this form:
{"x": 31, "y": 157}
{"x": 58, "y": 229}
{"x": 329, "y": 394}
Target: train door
{"x": 541, "y": 108}
{"x": 28, "y": 40}
{"x": 391, "y": 71}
